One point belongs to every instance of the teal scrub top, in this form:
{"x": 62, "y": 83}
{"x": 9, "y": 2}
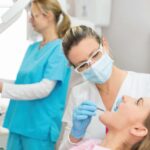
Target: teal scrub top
{"x": 40, "y": 118}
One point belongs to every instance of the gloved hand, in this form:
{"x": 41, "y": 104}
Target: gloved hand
{"x": 81, "y": 118}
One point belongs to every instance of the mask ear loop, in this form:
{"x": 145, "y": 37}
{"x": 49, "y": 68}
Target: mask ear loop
{"x": 110, "y": 51}
{"x": 102, "y": 49}
{"x": 101, "y": 46}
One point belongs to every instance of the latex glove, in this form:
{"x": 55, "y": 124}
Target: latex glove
{"x": 82, "y": 117}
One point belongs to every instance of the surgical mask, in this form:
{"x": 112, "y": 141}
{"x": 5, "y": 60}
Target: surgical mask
{"x": 100, "y": 71}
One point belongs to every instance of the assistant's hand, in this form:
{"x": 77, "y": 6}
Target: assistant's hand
{"x": 81, "y": 118}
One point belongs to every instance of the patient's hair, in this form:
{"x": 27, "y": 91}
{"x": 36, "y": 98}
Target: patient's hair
{"x": 75, "y": 35}
{"x": 63, "y": 24}
{"x": 145, "y": 143}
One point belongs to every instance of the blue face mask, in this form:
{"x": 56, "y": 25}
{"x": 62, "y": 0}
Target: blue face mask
{"x": 100, "y": 71}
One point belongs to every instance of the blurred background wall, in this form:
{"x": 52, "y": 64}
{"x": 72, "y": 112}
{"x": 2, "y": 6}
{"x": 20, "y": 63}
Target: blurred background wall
{"x": 128, "y": 32}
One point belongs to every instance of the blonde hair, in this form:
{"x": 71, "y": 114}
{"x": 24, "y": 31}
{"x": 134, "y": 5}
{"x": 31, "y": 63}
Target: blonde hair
{"x": 63, "y": 24}
{"x": 75, "y": 35}
{"x": 145, "y": 143}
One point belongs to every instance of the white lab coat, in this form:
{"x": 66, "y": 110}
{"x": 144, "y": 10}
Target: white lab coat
{"x": 135, "y": 85}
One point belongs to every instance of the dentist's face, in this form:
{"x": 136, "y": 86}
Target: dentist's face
{"x": 82, "y": 51}
{"x": 130, "y": 112}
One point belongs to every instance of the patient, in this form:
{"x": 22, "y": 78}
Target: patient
{"x": 129, "y": 127}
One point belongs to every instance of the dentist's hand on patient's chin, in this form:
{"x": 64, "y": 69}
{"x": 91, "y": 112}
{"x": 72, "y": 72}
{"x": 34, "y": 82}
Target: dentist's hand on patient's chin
{"x": 82, "y": 116}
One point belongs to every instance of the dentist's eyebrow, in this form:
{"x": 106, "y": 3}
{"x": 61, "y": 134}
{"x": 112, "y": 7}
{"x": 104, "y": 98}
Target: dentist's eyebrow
{"x": 87, "y": 58}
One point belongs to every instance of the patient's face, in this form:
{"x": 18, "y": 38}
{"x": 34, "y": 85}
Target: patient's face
{"x": 131, "y": 111}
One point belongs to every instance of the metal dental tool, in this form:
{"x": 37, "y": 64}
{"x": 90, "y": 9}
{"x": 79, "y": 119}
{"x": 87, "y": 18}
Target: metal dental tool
{"x": 100, "y": 109}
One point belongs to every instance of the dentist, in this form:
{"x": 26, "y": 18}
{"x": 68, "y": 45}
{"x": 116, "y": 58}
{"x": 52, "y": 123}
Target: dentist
{"x": 104, "y": 87}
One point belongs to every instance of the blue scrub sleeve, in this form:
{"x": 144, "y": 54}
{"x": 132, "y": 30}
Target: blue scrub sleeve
{"x": 57, "y": 66}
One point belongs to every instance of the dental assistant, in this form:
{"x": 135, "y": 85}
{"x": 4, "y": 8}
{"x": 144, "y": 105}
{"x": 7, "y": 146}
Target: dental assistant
{"x": 105, "y": 85}
{"x": 39, "y": 92}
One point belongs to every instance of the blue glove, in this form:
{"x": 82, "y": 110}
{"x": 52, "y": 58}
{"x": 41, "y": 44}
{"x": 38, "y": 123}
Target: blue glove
{"x": 82, "y": 117}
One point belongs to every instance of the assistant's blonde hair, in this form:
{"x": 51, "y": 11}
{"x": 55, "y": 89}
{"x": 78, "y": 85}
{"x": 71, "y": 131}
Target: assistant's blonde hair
{"x": 53, "y": 5}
